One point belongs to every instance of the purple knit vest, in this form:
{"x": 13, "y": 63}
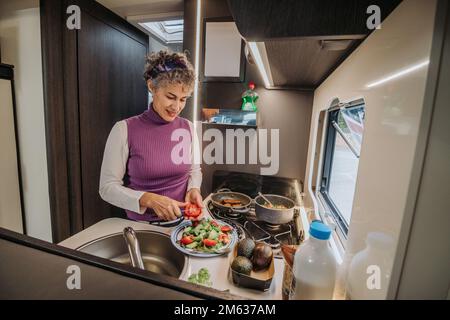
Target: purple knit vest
{"x": 150, "y": 167}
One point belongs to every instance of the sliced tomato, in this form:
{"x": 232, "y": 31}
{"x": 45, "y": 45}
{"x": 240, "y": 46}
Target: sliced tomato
{"x": 224, "y": 238}
{"x": 214, "y": 223}
{"x": 186, "y": 240}
{"x": 209, "y": 242}
{"x": 225, "y": 229}
{"x": 192, "y": 210}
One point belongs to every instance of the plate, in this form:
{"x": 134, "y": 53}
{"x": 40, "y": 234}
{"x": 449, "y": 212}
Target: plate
{"x": 178, "y": 232}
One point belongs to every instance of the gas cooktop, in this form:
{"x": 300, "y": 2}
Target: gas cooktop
{"x": 251, "y": 184}
{"x": 246, "y": 224}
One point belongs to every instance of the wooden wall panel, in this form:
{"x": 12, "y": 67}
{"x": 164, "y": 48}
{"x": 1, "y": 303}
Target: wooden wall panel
{"x": 92, "y": 78}
{"x": 111, "y": 88}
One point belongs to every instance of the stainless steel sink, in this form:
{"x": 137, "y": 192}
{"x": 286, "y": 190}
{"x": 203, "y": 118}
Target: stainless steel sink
{"x": 158, "y": 253}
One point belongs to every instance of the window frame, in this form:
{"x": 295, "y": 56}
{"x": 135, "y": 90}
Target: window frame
{"x": 328, "y": 156}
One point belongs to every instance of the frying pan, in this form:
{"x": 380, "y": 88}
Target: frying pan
{"x": 224, "y": 194}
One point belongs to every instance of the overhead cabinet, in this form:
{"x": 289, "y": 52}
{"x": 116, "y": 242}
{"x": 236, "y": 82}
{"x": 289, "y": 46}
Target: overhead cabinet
{"x": 305, "y": 40}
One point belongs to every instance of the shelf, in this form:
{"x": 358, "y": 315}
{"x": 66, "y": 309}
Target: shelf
{"x": 229, "y": 117}
{"x": 230, "y": 125}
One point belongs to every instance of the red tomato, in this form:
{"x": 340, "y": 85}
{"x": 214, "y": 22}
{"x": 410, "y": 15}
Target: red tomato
{"x": 209, "y": 242}
{"x": 186, "y": 240}
{"x": 214, "y": 223}
{"x": 192, "y": 210}
{"x": 224, "y": 238}
{"x": 225, "y": 229}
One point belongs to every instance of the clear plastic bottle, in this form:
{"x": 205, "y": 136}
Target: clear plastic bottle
{"x": 315, "y": 266}
{"x": 370, "y": 269}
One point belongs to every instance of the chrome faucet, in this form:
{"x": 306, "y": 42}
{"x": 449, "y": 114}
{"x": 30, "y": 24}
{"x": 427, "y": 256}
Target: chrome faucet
{"x": 133, "y": 248}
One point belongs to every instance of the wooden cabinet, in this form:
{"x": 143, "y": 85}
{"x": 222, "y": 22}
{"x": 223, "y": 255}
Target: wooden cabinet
{"x": 110, "y": 88}
{"x": 260, "y": 20}
{"x": 93, "y": 78}
{"x": 304, "y": 40}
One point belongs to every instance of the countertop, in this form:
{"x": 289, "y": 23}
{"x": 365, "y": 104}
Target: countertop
{"x": 218, "y": 266}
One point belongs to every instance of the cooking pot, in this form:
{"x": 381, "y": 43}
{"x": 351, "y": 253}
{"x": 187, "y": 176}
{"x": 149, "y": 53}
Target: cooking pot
{"x": 274, "y": 215}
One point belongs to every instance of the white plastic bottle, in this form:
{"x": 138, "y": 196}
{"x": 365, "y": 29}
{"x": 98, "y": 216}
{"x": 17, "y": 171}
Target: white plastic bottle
{"x": 315, "y": 266}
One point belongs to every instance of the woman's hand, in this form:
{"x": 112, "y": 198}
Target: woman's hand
{"x": 164, "y": 207}
{"x": 194, "y": 196}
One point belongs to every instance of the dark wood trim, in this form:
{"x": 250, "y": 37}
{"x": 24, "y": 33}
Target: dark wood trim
{"x": 108, "y": 17}
{"x": 19, "y": 167}
{"x": 318, "y": 38}
{"x": 262, "y": 20}
{"x": 51, "y": 12}
{"x": 71, "y": 103}
{"x": 122, "y": 269}
{"x": 7, "y": 73}
{"x": 203, "y": 54}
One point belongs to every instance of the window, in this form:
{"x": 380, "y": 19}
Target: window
{"x": 344, "y": 135}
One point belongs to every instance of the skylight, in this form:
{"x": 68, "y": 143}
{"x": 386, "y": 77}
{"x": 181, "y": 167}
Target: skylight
{"x": 170, "y": 31}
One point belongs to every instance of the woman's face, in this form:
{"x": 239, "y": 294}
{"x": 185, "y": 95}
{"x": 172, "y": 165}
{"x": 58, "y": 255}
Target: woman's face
{"x": 169, "y": 100}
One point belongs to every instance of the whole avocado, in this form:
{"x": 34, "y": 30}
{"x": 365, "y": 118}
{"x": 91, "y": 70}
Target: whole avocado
{"x": 262, "y": 256}
{"x": 245, "y": 247}
{"x": 242, "y": 265}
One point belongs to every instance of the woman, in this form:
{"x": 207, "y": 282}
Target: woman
{"x": 138, "y": 171}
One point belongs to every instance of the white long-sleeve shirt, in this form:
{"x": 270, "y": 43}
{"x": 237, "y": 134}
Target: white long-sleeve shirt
{"x": 114, "y": 167}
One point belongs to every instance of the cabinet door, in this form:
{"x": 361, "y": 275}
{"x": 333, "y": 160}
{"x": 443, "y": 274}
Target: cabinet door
{"x": 10, "y": 208}
{"x": 94, "y": 78}
{"x": 111, "y": 88}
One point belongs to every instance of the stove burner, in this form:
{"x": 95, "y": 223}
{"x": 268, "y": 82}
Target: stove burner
{"x": 248, "y": 226}
{"x": 224, "y": 213}
{"x": 274, "y": 237}
{"x": 272, "y": 226}
{"x": 274, "y": 243}
{"x": 233, "y": 214}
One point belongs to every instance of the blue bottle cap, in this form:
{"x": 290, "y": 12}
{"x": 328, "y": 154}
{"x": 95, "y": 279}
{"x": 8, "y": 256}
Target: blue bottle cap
{"x": 319, "y": 230}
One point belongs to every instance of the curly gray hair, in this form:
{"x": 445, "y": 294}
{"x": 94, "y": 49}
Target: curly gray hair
{"x": 166, "y": 67}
